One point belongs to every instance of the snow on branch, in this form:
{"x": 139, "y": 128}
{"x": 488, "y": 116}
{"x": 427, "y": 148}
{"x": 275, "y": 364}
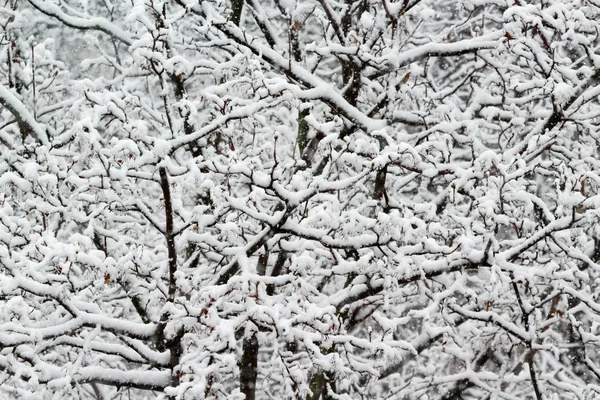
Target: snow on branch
{"x": 97, "y": 23}
{"x": 316, "y": 87}
{"x": 22, "y": 115}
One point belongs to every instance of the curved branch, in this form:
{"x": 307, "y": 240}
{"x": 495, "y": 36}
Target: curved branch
{"x": 97, "y": 24}
{"x": 22, "y": 115}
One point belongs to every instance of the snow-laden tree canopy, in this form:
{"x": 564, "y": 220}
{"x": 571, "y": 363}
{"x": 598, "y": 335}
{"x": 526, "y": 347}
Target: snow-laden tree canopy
{"x": 300, "y": 199}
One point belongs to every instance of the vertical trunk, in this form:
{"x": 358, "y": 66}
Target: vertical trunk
{"x": 164, "y": 182}
{"x": 302, "y": 131}
{"x": 320, "y": 380}
{"x": 249, "y": 361}
{"x": 248, "y": 367}
{"x": 236, "y": 11}
{"x": 318, "y": 386}
{"x": 174, "y": 344}
{"x": 379, "y": 190}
